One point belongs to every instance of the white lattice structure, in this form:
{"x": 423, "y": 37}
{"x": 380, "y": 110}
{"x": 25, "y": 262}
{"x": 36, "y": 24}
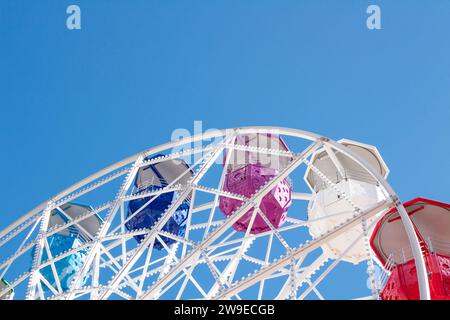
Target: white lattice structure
{"x": 212, "y": 260}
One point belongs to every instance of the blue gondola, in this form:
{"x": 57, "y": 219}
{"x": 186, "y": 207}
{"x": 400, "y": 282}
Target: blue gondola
{"x": 152, "y": 178}
{"x": 70, "y": 238}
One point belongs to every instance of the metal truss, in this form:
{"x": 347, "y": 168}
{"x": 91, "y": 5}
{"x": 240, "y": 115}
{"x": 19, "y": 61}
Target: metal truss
{"x": 212, "y": 260}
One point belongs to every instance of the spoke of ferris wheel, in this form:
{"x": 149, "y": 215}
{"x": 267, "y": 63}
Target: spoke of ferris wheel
{"x": 162, "y": 270}
{"x": 105, "y": 226}
{"x": 188, "y": 224}
{"x": 145, "y": 268}
{"x": 266, "y": 262}
{"x": 195, "y": 283}
{"x": 52, "y": 265}
{"x": 334, "y": 264}
{"x": 168, "y": 260}
{"x": 122, "y": 229}
{"x": 292, "y": 279}
{"x": 212, "y": 248}
{"x": 301, "y": 276}
{"x": 151, "y": 264}
{"x": 209, "y": 160}
{"x": 19, "y": 229}
{"x": 297, "y": 160}
{"x": 19, "y": 249}
{"x": 302, "y": 196}
{"x": 39, "y": 287}
{"x": 307, "y": 247}
{"x": 173, "y": 283}
{"x": 187, "y": 273}
{"x": 299, "y": 224}
{"x": 181, "y": 290}
{"x": 153, "y": 198}
{"x": 273, "y": 229}
{"x": 337, "y": 163}
{"x": 171, "y": 251}
{"x": 245, "y": 243}
{"x": 96, "y": 275}
{"x": 209, "y": 205}
{"x": 219, "y": 187}
{"x": 40, "y": 238}
{"x": 187, "y": 277}
{"x": 370, "y": 264}
{"x": 114, "y": 261}
{"x": 226, "y": 277}
{"x": 45, "y": 281}
{"x": 183, "y": 285}
{"x": 202, "y": 207}
{"x": 319, "y": 295}
{"x": 225, "y": 252}
{"x": 213, "y": 270}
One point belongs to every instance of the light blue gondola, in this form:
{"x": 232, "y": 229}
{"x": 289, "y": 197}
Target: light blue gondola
{"x": 70, "y": 238}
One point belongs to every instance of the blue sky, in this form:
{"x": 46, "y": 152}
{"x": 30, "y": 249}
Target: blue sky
{"x": 73, "y": 102}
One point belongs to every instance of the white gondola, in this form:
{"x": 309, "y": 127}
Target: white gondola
{"x": 357, "y": 184}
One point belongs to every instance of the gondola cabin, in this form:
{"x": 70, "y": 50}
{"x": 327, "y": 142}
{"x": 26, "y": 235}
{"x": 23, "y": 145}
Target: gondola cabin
{"x": 246, "y": 171}
{"x": 389, "y": 241}
{"x": 67, "y": 239}
{"x": 329, "y": 209}
{"x": 145, "y": 210}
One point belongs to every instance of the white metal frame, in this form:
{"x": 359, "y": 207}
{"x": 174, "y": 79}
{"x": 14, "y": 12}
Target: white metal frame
{"x": 118, "y": 269}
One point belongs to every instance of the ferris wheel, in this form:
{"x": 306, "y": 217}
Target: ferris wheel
{"x": 242, "y": 213}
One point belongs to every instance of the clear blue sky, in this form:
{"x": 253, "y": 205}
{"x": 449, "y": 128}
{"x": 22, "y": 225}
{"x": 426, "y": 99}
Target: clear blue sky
{"x": 73, "y": 102}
